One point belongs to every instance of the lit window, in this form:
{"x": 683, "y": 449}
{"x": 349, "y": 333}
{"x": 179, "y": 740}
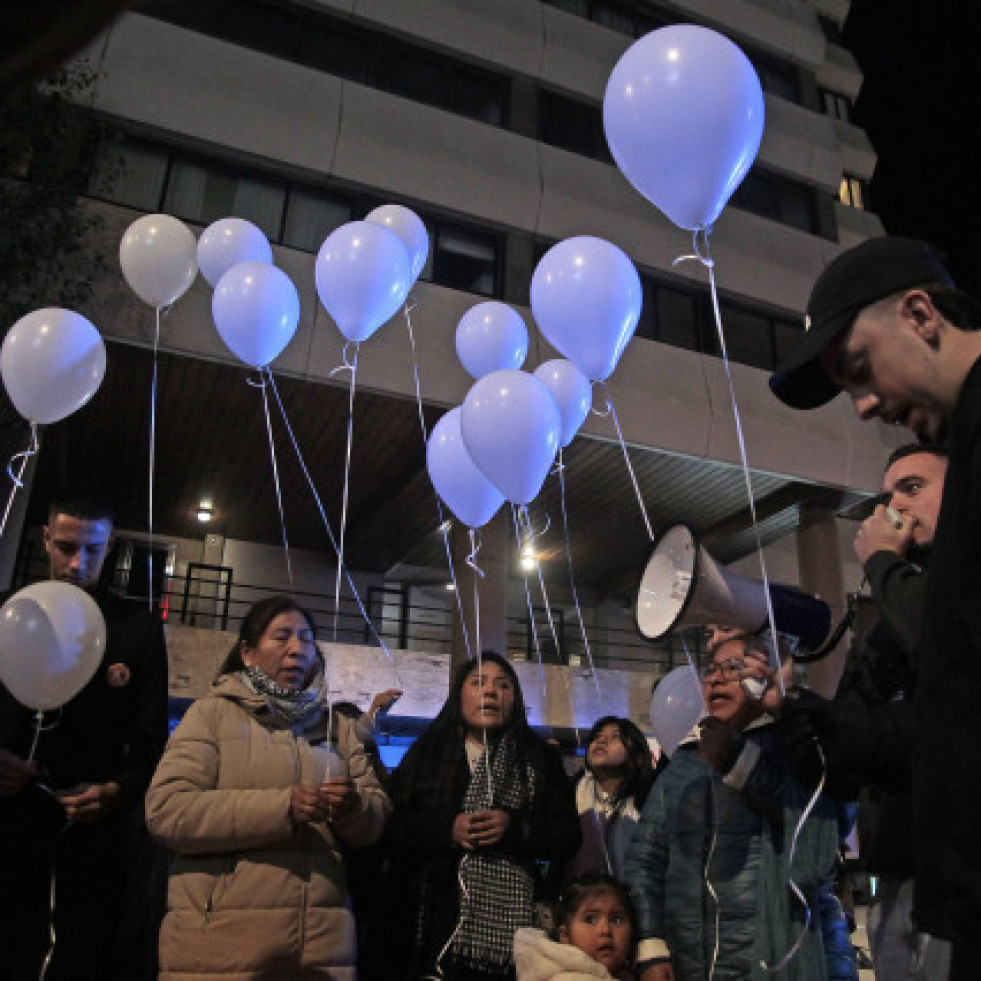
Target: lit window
{"x": 851, "y": 192}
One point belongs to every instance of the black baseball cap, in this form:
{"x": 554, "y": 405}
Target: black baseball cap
{"x": 858, "y": 277}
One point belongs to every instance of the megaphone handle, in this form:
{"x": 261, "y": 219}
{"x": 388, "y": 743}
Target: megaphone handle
{"x": 832, "y": 642}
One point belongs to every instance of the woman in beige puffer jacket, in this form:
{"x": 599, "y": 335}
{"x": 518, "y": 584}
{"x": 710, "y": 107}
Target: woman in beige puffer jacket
{"x": 248, "y": 798}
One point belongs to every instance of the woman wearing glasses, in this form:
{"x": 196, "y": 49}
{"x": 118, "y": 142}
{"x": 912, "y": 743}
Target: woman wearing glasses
{"x": 709, "y": 865}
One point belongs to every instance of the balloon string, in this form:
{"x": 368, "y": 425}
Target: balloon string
{"x": 478, "y": 574}
{"x": 347, "y": 365}
{"x": 38, "y": 725}
{"x": 330, "y": 533}
{"x": 599, "y": 413}
{"x": 347, "y": 480}
{"x": 626, "y": 456}
{"x": 437, "y": 974}
{"x": 472, "y": 562}
{"x": 572, "y": 577}
{"x": 18, "y": 479}
{"x": 153, "y": 455}
{"x": 531, "y": 536}
{"x": 703, "y": 255}
{"x": 444, "y": 525}
{"x": 531, "y": 612}
{"x": 444, "y": 529}
{"x": 279, "y": 493}
{"x": 794, "y": 888}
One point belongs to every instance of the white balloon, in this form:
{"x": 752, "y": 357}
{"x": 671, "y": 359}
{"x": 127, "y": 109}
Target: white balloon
{"x": 256, "y": 308}
{"x": 572, "y": 393}
{"x": 586, "y": 296}
{"x": 159, "y": 259}
{"x": 226, "y": 243}
{"x": 52, "y": 637}
{"x": 683, "y": 115}
{"x": 472, "y": 497}
{"x": 410, "y": 228}
{"x": 511, "y": 426}
{"x": 490, "y": 337}
{"x": 676, "y": 705}
{"x": 362, "y": 277}
{"x": 52, "y": 361}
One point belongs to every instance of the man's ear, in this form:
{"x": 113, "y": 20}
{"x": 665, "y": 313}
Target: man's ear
{"x": 919, "y": 310}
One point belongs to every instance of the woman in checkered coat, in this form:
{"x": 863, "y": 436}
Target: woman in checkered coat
{"x": 479, "y": 802}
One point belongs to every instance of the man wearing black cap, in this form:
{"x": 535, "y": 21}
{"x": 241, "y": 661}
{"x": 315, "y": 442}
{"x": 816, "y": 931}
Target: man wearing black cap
{"x": 886, "y": 324}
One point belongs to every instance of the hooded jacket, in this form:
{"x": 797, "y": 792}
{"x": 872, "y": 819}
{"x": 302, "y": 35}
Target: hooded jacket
{"x": 250, "y": 895}
{"x": 539, "y": 959}
{"x": 710, "y": 864}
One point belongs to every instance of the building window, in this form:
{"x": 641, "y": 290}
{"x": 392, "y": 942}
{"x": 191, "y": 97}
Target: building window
{"x": 202, "y": 190}
{"x": 675, "y": 317}
{"x": 836, "y": 105}
{"x": 320, "y": 41}
{"x": 830, "y": 29}
{"x": 311, "y": 216}
{"x": 465, "y": 260}
{"x": 748, "y": 336}
{"x": 778, "y": 199}
{"x": 852, "y": 192}
{"x": 203, "y": 193}
{"x": 573, "y": 126}
{"x": 777, "y": 77}
{"x": 130, "y": 174}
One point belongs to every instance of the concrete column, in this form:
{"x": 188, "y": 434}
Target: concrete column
{"x": 819, "y": 560}
{"x": 493, "y": 559}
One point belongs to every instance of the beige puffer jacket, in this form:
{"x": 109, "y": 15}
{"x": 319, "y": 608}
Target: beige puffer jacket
{"x": 249, "y": 895}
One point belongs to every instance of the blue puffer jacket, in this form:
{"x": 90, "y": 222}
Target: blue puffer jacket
{"x": 708, "y": 866}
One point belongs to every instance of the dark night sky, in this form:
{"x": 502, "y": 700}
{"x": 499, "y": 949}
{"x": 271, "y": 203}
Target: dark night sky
{"x": 921, "y": 106}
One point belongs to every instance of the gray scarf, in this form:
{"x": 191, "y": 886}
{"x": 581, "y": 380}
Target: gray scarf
{"x": 301, "y": 706}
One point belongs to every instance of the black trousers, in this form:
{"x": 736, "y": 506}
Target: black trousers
{"x": 69, "y": 877}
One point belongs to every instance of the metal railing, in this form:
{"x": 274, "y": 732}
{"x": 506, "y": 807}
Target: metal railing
{"x": 208, "y": 596}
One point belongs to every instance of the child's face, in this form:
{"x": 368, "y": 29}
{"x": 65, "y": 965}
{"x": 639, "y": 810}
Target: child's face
{"x": 606, "y": 751}
{"x": 601, "y": 929}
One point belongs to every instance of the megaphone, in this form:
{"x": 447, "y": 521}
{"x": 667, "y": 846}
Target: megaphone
{"x": 683, "y": 586}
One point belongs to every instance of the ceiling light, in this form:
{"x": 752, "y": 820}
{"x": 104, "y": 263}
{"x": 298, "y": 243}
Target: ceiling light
{"x": 206, "y": 512}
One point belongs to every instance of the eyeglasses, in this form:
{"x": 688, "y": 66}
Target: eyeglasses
{"x": 728, "y": 670}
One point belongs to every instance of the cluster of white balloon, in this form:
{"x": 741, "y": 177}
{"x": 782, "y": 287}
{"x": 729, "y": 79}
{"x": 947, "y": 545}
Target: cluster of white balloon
{"x": 683, "y": 114}
{"x": 363, "y": 273}
{"x": 502, "y": 441}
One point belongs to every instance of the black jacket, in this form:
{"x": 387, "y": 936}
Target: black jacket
{"x": 106, "y": 732}
{"x": 947, "y": 753}
{"x": 879, "y": 671}
{"x": 418, "y": 838}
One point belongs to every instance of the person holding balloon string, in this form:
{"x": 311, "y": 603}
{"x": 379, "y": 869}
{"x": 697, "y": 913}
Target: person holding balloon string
{"x": 260, "y": 790}
{"x": 710, "y": 863}
{"x": 71, "y": 786}
{"x": 479, "y": 800}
